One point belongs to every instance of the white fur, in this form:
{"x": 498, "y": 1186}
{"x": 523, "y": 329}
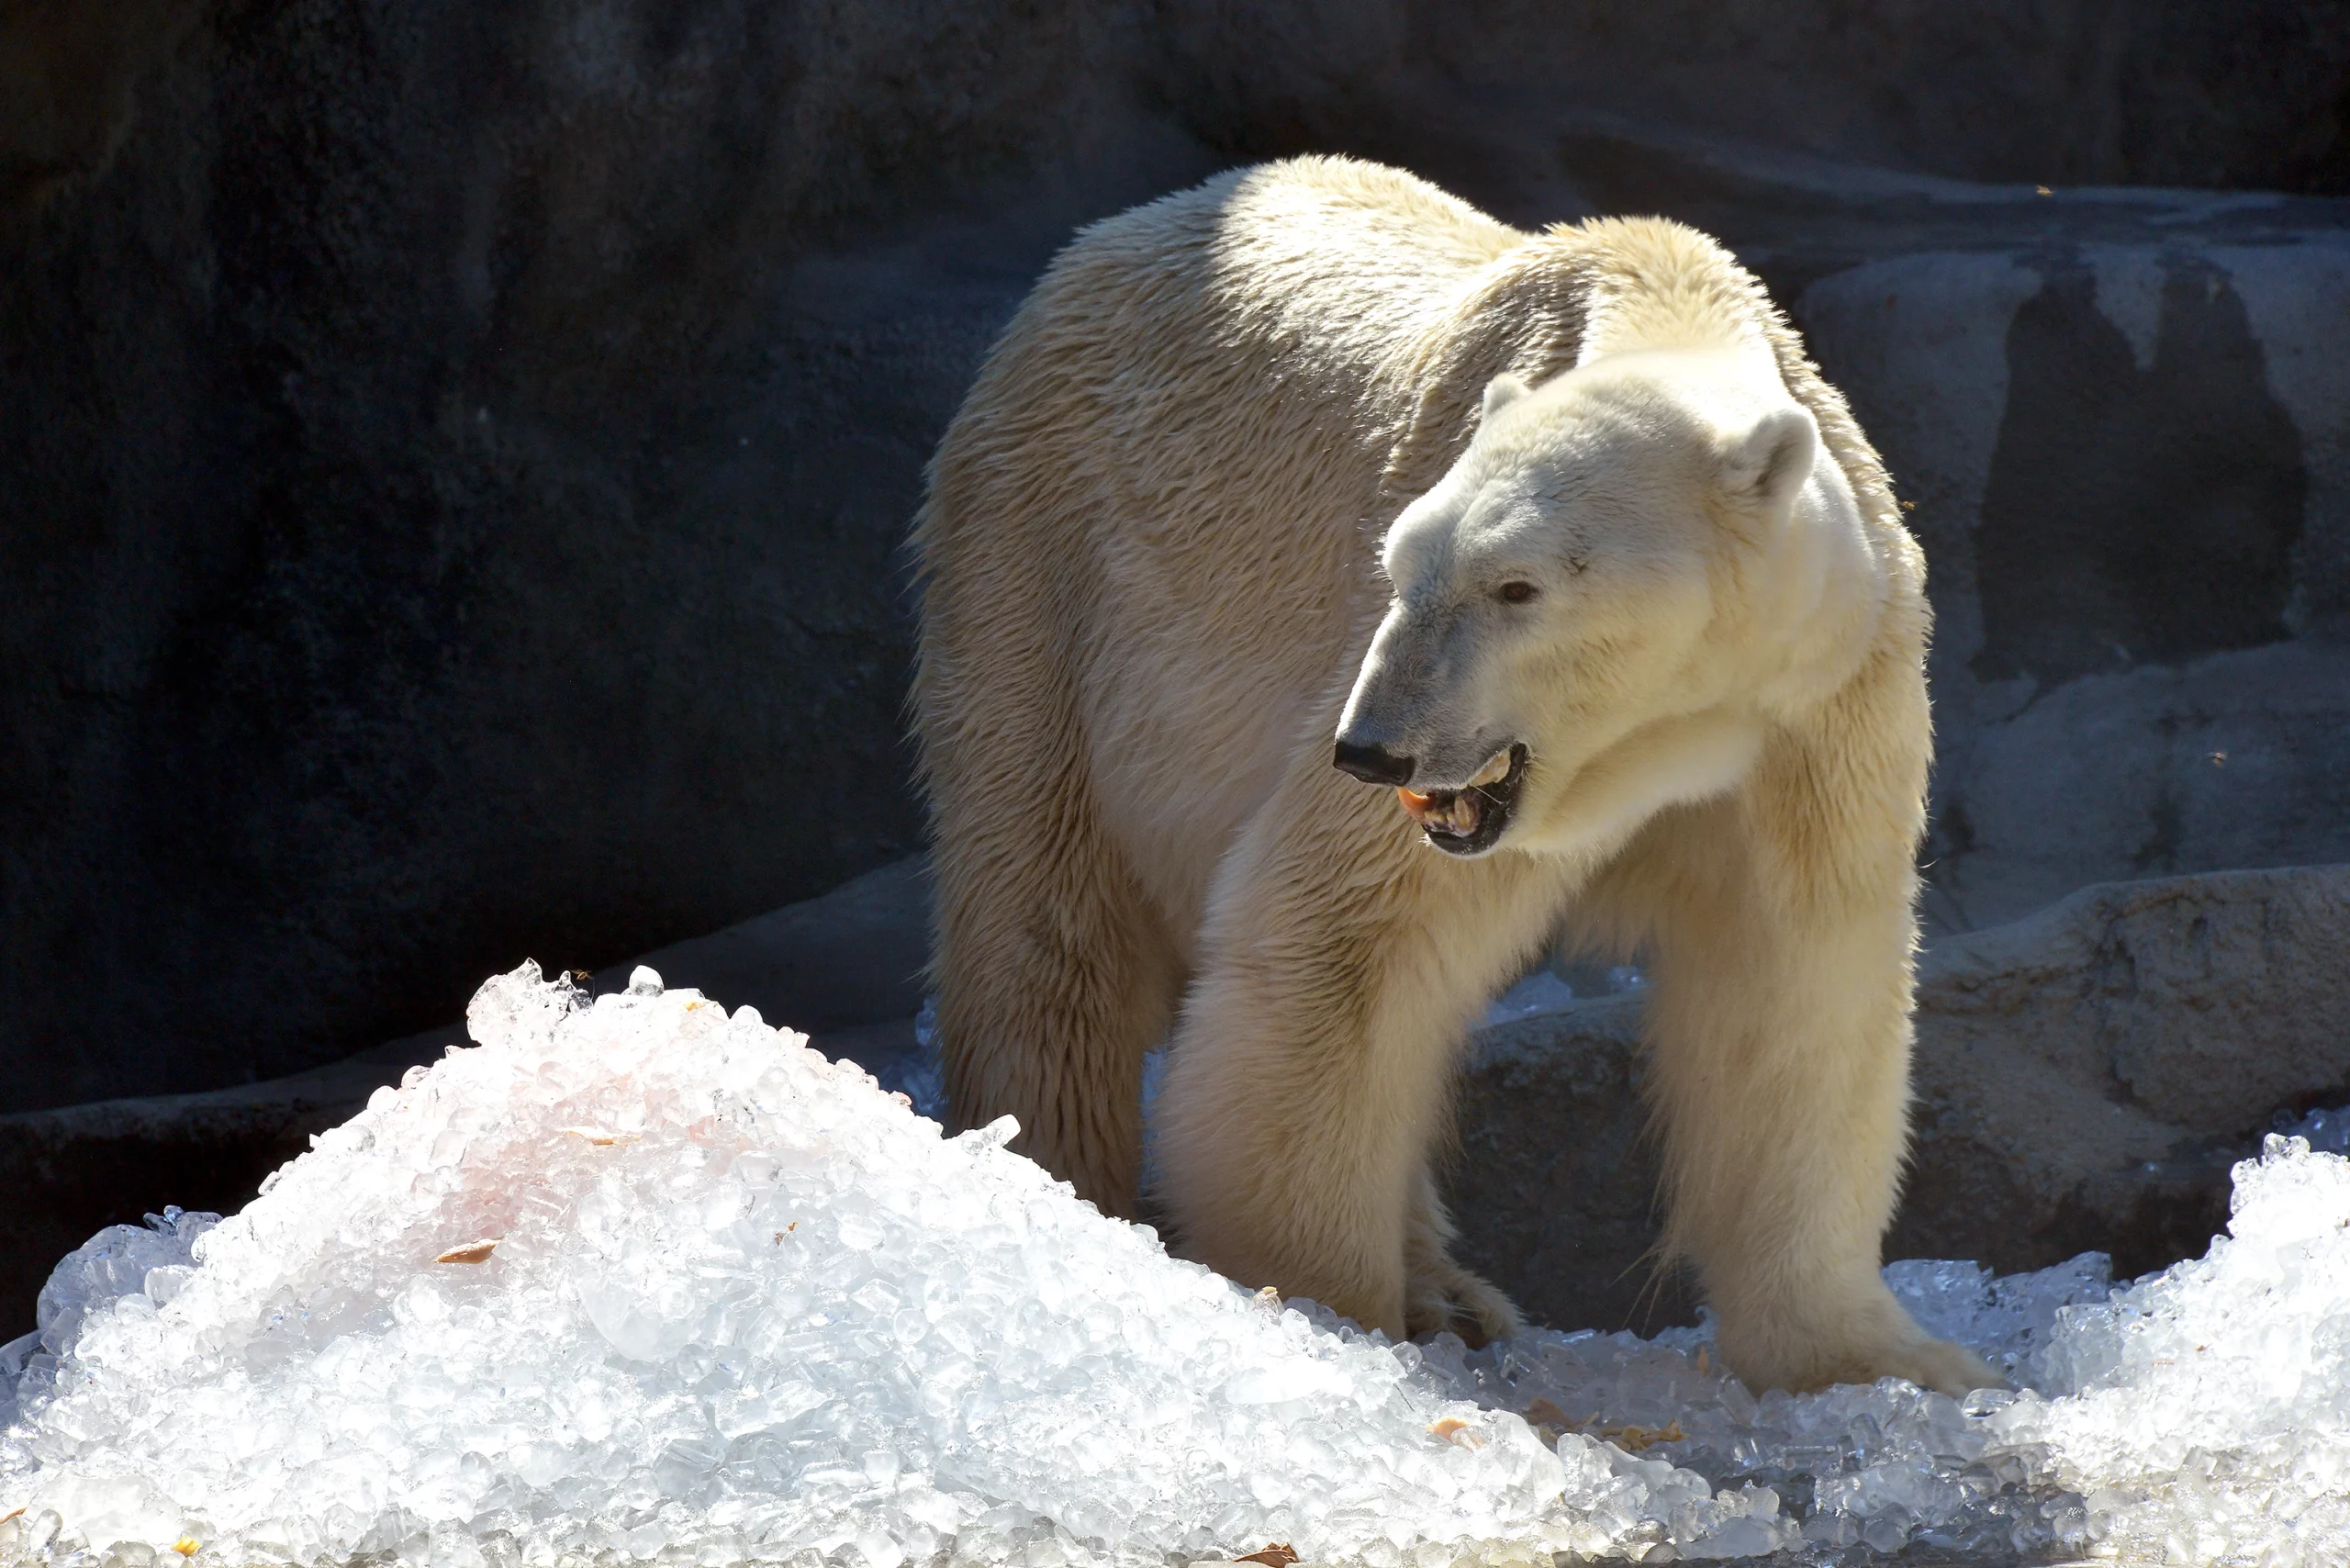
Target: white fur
{"x": 1258, "y": 464}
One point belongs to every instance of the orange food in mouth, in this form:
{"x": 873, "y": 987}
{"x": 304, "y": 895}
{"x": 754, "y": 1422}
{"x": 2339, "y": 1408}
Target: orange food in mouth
{"x": 1466, "y": 821}
{"x": 1456, "y": 812}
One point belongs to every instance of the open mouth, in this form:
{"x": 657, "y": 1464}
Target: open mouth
{"x": 1470, "y": 820}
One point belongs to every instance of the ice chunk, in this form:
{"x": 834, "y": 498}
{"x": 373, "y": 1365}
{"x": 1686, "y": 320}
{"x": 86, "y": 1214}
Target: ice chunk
{"x": 152, "y": 1258}
{"x": 2007, "y": 1319}
{"x": 921, "y": 1075}
{"x": 2201, "y": 1415}
{"x": 116, "y": 1262}
{"x": 2326, "y": 1131}
{"x": 14, "y": 1357}
{"x": 2205, "y": 1411}
{"x": 1538, "y": 993}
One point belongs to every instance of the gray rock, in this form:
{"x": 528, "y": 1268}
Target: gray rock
{"x": 849, "y": 959}
{"x": 2123, "y": 420}
{"x": 458, "y": 458}
{"x": 2084, "y": 1079}
{"x": 2133, "y": 477}
{"x": 2086, "y": 1076}
{"x": 1553, "y": 1186}
{"x": 845, "y": 968}
{"x": 457, "y": 477}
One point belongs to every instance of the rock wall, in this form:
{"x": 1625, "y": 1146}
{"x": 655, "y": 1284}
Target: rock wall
{"x": 2126, "y": 445}
{"x": 2121, "y": 421}
{"x": 456, "y": 478}
{"x": 458, "y": 452}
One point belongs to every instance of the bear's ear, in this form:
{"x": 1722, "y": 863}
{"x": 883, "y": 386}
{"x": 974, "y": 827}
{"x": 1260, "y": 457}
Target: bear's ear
{"x": 1500, "y": 393}
{"x": 1766, "y": 465}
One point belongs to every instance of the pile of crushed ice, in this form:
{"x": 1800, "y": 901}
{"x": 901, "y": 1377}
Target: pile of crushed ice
{"x": 646, "y": 1280}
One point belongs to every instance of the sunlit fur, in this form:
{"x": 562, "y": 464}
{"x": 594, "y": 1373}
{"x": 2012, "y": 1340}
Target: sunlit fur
{"x": 1230, "y": 437}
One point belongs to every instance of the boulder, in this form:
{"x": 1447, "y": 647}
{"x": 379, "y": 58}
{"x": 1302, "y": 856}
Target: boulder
{"x": 2084, "y": 1079}
{"x": 2086, "y": 1076}
{"x": 846, "y": 960}
{"x": 846, "y": 966}
{"x": 1553, "y": 1184}
{"x": 2126, "y": 447}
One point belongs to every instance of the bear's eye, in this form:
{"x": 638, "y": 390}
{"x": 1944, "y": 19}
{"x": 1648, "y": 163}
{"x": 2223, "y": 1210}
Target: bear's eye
{"x": 1516, "y": 593}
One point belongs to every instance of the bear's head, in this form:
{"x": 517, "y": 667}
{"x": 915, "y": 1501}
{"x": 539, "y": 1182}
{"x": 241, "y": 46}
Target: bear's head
{"x": 1600, "y": 609}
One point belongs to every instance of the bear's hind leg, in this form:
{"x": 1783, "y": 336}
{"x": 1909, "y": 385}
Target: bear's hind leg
{"x": 1053, "y": 979}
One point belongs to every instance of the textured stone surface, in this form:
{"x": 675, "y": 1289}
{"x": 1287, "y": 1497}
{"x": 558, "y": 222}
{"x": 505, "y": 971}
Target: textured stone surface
{"x": 2085, "y": 1075}
{"x": 458, "y": 461}
{"x": 2128, "y": 455}
{"x": 2084, "y": 1079}
{"x": 2122, "y": 418}
{"x": 849, "y": 959}
{"x": 457, "y": 452}
{"x": 2204, "y": 1002}
{"x": 1553, "y": 1188}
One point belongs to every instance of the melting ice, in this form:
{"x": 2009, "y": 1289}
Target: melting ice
{"x": 642, "y": 1280}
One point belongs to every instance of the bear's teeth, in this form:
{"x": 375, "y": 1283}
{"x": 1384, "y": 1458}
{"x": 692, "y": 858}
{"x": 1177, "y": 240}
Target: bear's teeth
{"x": 1454, "y": 814}
{"x": 1496, "y": 769}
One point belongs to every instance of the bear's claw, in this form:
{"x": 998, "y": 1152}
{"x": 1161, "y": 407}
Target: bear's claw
{"x": 1461, "y": 1302}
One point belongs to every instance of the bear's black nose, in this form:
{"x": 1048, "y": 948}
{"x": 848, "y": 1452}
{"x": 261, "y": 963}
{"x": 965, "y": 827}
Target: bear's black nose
{"x": 1373, "y": 764}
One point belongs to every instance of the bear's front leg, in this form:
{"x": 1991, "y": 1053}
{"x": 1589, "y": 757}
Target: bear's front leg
{"x": 1311, "y": 1070}
{"x": 1779, "y": 1031}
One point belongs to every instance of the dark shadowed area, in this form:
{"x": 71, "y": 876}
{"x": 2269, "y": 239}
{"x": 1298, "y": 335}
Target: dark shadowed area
{"x": 459, "y": 453}
{"x": 2092, "y": 556}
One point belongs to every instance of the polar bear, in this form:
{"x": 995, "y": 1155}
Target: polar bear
{"x": 1328, "y": 594}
